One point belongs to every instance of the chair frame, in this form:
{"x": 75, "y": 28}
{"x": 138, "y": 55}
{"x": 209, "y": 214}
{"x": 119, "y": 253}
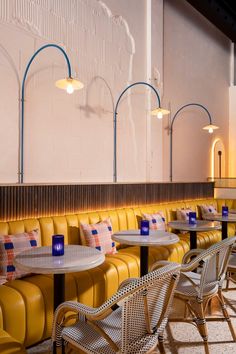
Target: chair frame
{"x": 126, "y": 293}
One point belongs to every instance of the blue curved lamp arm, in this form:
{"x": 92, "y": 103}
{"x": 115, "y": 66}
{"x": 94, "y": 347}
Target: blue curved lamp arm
{"x": 115, "y": 121}
{"x": 171, "y": 129}
{"x": 21, "y": 171}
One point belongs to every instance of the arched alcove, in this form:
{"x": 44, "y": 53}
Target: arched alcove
{"x": 218, "y": 159}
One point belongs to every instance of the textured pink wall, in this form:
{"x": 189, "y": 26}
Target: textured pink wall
{"x": 70, "y": 138}
{"x": 196, "y": 69}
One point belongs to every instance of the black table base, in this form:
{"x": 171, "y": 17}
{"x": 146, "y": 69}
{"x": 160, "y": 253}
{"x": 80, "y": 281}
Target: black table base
{"x": 224, "y": 230}
{"x": 59, "y": 289}
{"x": 143, "y": 260}
{"x": 193, "y": 239}
{"x": 58, "y": 298}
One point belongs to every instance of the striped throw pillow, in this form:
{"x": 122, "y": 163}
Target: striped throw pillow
{"x": 10, "y": 246}
{"x": 207, "y": 209}
{"x": 183, "y": 214}
{"x": 156, "y": 220}
{"x": 99, "y": 236}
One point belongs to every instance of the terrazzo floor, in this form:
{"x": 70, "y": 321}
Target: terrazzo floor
{"x": 183, "y": 338}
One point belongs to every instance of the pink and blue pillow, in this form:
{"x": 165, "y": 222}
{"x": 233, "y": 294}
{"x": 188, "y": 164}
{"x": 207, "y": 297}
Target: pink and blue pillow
{"x": 207, "y": 209}
{"x": 99, "y": 236}
{"x": 156, "y": 220}
{"x": 10, "y": 246}
{"x": 183, "y": 214}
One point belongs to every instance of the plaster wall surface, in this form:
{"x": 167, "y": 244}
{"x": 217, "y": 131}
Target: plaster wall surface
{"x": 69, "y": 138}
{"x": 196, "y": 69}
{"x": 111, "y": 44}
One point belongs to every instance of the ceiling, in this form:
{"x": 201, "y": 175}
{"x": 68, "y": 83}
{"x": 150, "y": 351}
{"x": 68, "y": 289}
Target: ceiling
{"x": 222, "y": 13}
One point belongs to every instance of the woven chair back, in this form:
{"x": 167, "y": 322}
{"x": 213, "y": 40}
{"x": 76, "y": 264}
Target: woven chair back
{"x": 213, "y": 262}
{"x": 145, "y": 310}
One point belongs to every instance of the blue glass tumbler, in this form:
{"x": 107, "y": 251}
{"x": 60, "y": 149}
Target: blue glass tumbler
{"x": 57, "y": 245}
{"x": 144, "y": 228}
{"x": 192, "y": 218}
{"x": 225, "y": 211}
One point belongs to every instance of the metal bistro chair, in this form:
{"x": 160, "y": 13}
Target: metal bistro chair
{"x": 200, "y": 281}
{"x": 132, "y": 321}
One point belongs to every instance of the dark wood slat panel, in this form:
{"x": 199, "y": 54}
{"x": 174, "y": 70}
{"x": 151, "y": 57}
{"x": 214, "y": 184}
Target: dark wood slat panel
{"x": 25, "y": 201}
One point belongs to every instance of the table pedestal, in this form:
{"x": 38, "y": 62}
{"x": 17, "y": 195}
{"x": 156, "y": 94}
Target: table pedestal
{"x": 224, "y": 230}
{"x": 193, "y": 239}
{"x": 59, "y": 289}
{"x": 58, "y": 298}
{"x": 143, "y": 260}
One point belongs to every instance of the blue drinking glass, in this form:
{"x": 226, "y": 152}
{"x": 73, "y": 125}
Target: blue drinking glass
{"x": 58, "y": 245}
{"x": 144, "y": 228}
{"x": 192, "y": 218}
{"x": 225, "y": 211}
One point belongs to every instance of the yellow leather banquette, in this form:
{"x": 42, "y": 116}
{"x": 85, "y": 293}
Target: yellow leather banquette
{"x": 26, "y": 304}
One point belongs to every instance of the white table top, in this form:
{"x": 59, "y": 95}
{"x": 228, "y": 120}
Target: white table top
{"x": 202, "y": 225}
{"x": 76, "y": 258}
{"x": 232, "y": 211}
{"x": 155, "y": 238}
{"x": 219, "y": 217}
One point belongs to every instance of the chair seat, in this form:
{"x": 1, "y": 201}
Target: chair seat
{"x": 84, "y": 336}
{"x": 185, "y": 285}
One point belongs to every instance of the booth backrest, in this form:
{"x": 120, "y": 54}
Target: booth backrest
{"x": 122, "y": 219}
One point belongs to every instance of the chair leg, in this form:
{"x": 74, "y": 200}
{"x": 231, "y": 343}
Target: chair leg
{"x": 201, "y": 325}
{"x": 62, "y": 346}
{"x": 226, "y": 314}
{"x": 161, "y": 344}
{"x": 186, "y": 311}
{"x": 206, "y": 347}
{"x": 227, "y": 281}
{"x": 54, "y": 347}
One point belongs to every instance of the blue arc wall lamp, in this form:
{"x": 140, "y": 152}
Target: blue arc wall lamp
{"x": 210, "y": 127}
{"x": 69, "y": 84}
{"x": 159, "y": 112}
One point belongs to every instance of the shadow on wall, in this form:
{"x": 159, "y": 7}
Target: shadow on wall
{"x": 99, "y": 109}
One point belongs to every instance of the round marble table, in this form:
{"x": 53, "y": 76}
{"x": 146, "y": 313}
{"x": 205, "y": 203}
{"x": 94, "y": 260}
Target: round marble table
{"x": 201, "y": 225}
{"x": 76, "y": 258}
{"x": 155, "y": 238}
{"x": 224, "y": 222}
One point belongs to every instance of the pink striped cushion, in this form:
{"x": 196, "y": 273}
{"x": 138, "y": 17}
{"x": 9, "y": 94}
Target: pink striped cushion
{"x": 207, "y": 209}
{"x": 183, "y": 214}
{"x": 156, "y": 220}
{"x": 10, "y": 246}
{"x": 99, "y": 236}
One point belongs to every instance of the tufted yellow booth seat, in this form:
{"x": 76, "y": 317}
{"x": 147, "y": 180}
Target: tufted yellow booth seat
{"x": 26, "y": 305}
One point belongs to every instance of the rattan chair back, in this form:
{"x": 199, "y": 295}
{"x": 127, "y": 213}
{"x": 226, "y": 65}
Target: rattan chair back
{"x": 212, "y": 266}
